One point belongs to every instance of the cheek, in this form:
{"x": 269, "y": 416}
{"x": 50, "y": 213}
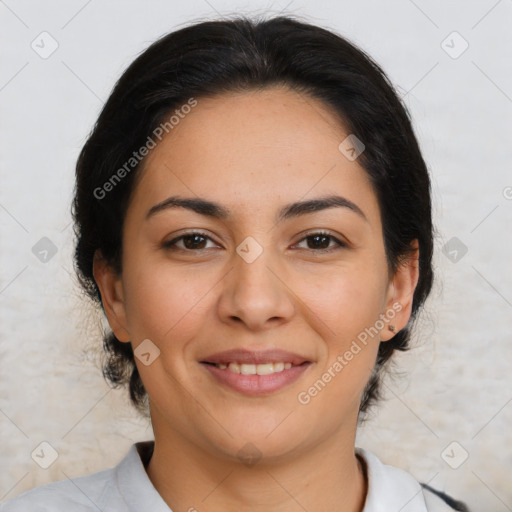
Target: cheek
{"x": 346, "y": 307}
{"x": 346, "y": 300}
{"x": 164, "y": 303}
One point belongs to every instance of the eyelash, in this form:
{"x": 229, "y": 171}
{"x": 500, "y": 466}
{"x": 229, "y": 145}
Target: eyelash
{"x": 171, "y": 245}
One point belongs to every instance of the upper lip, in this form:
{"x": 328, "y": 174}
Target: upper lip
{"x": 244, "y": 356}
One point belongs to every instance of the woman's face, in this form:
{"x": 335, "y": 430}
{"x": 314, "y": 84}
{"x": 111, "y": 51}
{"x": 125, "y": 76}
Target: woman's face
{"x": 254, "y": 280}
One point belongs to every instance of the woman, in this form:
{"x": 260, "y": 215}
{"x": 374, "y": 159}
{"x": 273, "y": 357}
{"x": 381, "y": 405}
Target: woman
{"x": 253, "y": 214}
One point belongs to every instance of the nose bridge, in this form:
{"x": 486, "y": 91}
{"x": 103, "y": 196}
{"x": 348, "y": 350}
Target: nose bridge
{"x": 254, "y": 292}
{"x": 252, "y": 264}
{"x": 253, "y": 261}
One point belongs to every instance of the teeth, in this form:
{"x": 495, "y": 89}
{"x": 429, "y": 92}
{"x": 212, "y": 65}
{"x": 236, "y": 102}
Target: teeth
{"x": 255, "y": 369}
{"x": 249, "y": 369}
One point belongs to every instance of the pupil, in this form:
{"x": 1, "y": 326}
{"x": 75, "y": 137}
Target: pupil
{"x": 317, "y": 237}
{"x": 194, "y": 243}
{"x": 316, "y": 244}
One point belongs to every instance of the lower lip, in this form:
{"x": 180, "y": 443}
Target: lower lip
{"x": 257, "y": 384}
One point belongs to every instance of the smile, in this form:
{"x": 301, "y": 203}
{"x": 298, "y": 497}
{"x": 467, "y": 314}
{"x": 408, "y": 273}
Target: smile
{"x": 255, "y": 369}
{"x": 256, "y": 379}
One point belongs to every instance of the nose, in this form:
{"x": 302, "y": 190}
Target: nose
{"x": 255, "y": 291}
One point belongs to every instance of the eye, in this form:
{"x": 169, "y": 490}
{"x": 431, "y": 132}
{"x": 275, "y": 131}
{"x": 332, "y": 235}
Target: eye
{"x": 191, "y": 241}
{"x": 195, "y": 240}
{"x": 320, "y": 239}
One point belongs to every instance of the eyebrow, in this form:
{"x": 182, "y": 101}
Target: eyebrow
{"x": 211, "y": 209}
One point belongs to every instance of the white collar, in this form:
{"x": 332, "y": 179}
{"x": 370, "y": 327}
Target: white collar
{"x": 389, "y": 488}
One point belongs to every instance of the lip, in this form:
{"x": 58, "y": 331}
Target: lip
{"x": 257, "y": 384}
{"x": 244, "y": 356}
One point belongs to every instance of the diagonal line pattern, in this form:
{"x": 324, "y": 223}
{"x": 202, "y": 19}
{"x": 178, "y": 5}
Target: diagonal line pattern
{"x": 420, "y": 490}
{"x": 214, "y": 8}
{"x": 76, "y": 14}
{"x": 426, "y": 425}
{"x": 311, "y": 188}
{"x": 480, "y": 430}
{"x": 81, "y": 81}
{"x": 285, "y": 7}
{"x": 267, "y": 267}
{"x": 14, "y": 423}
{"x": 178, "y": 178}
{"x": 280, "y": 423}
{"x": 497, "y": 497}
{"x": 305, "y": 305}
{"x": 200, "y": 299}
{"x": 286, "y": 491}
{"x": 493, "y": 287}
{"x": 14, "y": 218}
{"x": 66, "y": 227}
{"x": 424, "y": 13}
{"x": 5, "y": 5}
{"x": 201, "y": 405}
{"x": 213, "y": 490}
{"x": 492, "y": 81}
{"x": 485, "y": 15}
{"x": 13, "y": 279}
{"x": 420, "y": 80}
{"x": 73, "y": 427}
{"x": 71, "y": 480}
{"x": 14, "y": 76}
{"x": 492, "y": 211}
{"x": 18, "y": 482}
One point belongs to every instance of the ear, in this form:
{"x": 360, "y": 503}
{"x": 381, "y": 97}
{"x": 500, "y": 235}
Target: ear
{"x": 111, "y": 289}
{"x": 400, "y": 294}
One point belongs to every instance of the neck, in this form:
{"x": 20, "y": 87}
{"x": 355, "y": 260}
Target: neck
{"x": 327, "y": 476}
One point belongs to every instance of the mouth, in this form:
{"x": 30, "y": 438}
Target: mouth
{"x": 256, "y": 369}
{"x": 242, "y": 356}
{"x": 255, "y": 373}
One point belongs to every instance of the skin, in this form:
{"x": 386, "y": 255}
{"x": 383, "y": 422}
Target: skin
{"x": 254, "y": 152}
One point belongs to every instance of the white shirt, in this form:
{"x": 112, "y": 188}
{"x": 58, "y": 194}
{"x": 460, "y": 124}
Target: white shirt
{"x": 127, "y": 488}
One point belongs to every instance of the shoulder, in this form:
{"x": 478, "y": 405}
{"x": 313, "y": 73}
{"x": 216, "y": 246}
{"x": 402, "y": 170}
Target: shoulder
{"x": 124, "y": 487}
{"x": 392, "y": 488}
{"x": 78, "y": 494}
{"x": 438, "y": 500}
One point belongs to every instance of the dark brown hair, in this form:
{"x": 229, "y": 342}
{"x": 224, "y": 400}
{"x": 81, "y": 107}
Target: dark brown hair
{"x": 216, "y": 57}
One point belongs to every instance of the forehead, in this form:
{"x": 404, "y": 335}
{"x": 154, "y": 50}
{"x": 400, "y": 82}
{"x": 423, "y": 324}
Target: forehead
{"x": 253, "y": 149}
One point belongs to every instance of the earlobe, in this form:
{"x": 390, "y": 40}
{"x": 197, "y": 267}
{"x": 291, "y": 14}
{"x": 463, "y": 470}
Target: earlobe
{"x": 401, "y": 293}
{"x": 112, "y": 296}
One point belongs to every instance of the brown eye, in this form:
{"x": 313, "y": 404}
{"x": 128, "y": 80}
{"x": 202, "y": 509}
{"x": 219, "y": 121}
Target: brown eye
{"x": 319, "y": 242}
{"x": 192, "y": 241}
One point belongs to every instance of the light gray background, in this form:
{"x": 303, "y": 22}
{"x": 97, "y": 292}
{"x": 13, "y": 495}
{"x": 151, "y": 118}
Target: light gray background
{"x": 455, "y": 385}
